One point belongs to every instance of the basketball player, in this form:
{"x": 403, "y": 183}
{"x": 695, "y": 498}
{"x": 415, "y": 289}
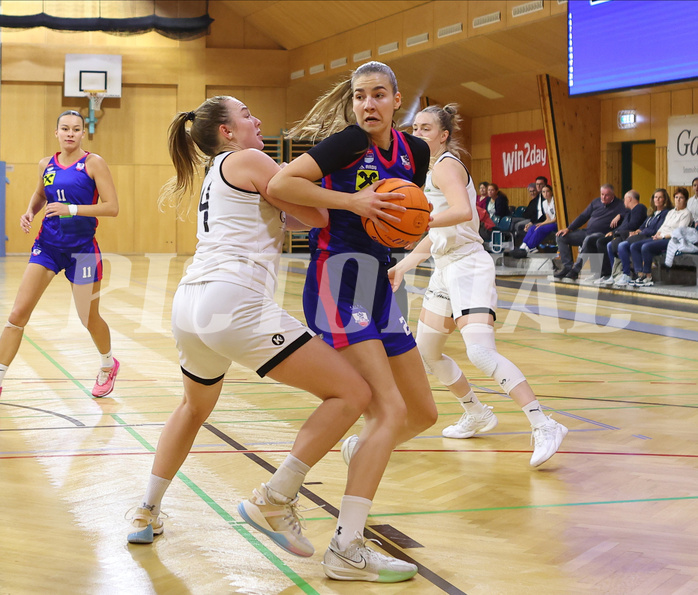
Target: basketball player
{"x": 224, "y": 311}
{"x": 76, "y": 187}
{"x": 462, "y": 292}
{"x": 347, "y": 295}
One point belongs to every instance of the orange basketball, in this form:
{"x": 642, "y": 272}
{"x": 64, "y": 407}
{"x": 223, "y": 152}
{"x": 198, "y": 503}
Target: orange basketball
{"x": 413, "y": 222}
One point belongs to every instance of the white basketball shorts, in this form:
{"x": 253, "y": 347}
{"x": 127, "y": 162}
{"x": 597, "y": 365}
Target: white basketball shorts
{"x": 215, "y": 323}
{"x": 465, "y": 286}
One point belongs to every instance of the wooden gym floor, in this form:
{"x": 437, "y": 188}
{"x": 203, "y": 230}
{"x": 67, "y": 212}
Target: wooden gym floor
{"x": 612, "y": 512}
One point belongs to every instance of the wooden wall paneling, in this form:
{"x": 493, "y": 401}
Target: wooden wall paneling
{"x": 482, "y": 130}
{"x": 557, "y": 7}
{"x": 155, "y": 230}
{"x": 512, "y": 20}
{"x": 572, "y": 131}
{"x": 642, "y": 106}
{"x": 695, "y": 100}
{"x": 362, "y": 39}
{"x": 339, "y": 48}
{"x": 387, "y": 31}
{"x": 660, "y": 108}
{"x": 23, "y": 179}
{"x": 447, "y": 13}
{"x": 611, "y": 166}
{"x": 661, "y": 167}
{"x": 417, "y": 21}
{"x": 608, "y": 122}
{"x": 478, "y": 8}
{"x": 682, "y": 102}
{"x": 117, "y": 234}
{"x": 24, "y": 115}
{"x": 481, "y": 171}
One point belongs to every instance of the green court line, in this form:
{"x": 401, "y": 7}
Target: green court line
{"x": 242, "y": 530}
{"x": 237, "y": 525}
{"x": 520, "y": 507}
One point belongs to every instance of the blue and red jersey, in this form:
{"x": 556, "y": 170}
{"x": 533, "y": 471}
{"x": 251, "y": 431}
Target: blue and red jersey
{"x": 344, "y": 232}
{"x": 71, "y": 185}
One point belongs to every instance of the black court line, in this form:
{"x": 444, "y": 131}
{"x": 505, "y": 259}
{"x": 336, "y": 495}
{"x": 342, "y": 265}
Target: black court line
{"x": 432, "y": 577}
{"x": 72, "y": 420}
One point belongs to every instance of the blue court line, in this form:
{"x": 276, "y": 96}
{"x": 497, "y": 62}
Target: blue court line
{"x": 607, "y": 321}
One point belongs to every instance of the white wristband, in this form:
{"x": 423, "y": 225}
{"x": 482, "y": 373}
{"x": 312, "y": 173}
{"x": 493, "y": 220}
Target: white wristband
{"x": 73, "y": 210}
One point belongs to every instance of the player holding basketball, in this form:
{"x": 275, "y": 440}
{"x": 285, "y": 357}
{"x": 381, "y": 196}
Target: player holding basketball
{"x": 224, "y": 311}
{"x": 76, "y": 186}
{"x": 347, "y": 295}
{"x": 462, "y": 292}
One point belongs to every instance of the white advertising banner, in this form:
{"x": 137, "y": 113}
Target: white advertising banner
{"x": 682, "y": 150}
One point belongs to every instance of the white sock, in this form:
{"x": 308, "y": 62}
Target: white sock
{"x": 3, "y": 370}
{"x": 534, "y": 413}
{"x": 107, "y": 360}
{"x": 287, "y": 480}
{"x": 154, "y": 493}
{"x": 353, "y": 514}
{"x": 471, "y": 403}
{"x": 524, "y": 246}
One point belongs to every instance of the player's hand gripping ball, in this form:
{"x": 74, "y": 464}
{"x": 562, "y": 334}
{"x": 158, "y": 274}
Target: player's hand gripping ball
{"x": 413, "y": 222}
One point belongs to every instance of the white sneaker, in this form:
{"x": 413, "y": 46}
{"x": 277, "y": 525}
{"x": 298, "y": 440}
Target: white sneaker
{"x": 348, "y": 447}
{"x": 469, "y": 425}
{"x": 623, "y": 281}
{"x": 358, "y": 562}
{"x": 547, "y": 438}
{"x": 604, "y": 281}
{"x": 282, "y": 523}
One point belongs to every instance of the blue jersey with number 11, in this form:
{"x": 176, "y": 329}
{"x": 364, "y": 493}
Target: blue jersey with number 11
{"x": 70, "y": 185}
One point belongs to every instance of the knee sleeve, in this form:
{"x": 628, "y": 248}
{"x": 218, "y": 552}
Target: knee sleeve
{"x": 430, "y": 343}
{"x": 482, "y": 352}
{"x": 8, "y": 324}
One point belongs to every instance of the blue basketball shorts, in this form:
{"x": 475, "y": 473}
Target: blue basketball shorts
{"x": 82, "y": 264}
{"x": 347, "y": 299}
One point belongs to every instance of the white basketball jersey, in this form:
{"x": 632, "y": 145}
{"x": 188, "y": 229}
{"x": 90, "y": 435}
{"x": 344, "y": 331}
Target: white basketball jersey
{"x": 240, "y": 235}
{"x": 450, "y": 243}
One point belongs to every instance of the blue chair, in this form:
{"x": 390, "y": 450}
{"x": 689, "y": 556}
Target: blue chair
{"x": 504, "y": 223}
{"x": 520, "y": 211}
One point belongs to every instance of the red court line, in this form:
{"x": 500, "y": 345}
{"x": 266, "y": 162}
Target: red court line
{"x": 195, "y": 452}
{"x": 662, "y": 382}
{"x": 585, "y": 381}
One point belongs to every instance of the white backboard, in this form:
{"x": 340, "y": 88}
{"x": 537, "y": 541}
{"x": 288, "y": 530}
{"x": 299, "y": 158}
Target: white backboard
{"x": 85, "y": 72}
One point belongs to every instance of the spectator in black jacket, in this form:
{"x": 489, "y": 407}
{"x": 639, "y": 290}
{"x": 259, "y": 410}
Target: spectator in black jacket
{"x": 599, "y": 217}
{"x": 631, "y": 220}
{"x": 497, "y": 202}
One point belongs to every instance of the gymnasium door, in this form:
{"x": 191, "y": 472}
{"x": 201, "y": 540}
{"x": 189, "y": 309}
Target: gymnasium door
{"x": 638, "y": 169}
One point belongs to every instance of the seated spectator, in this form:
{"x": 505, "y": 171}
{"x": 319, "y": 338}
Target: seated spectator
{"x": 643, "y": 254}
{"x": 537, "y": 232}
{"x": 533, "y": 211}
{"x": 693, "y": 201}
{"x": 482, "y": 198}
{"x": 661, "y": 205}
{"x": 497, "y": 202}
{"x": 486, "y": 224}
{"x": 598, "y": 217}
{"x": 631, "y": 220}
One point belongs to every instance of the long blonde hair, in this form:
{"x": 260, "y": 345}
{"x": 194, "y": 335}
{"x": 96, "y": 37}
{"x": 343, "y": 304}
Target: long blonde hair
{"x": 192, "y": 148}
{"x": 333, "y": 111}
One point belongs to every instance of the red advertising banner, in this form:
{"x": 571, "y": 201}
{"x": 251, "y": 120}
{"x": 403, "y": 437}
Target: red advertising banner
{"x": 518, "y": 158}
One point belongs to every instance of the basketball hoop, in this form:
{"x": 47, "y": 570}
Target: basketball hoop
{"x": 95, "y": 97}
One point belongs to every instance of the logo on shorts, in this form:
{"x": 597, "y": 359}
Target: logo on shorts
{"x": 36, "y": 251}
{"x": 405, "y": 161}
{"x": 360, "y": 317}
{"x": 278, "y": 339}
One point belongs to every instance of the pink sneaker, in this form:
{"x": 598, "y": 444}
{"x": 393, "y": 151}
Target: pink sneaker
{"x": 105, "y": 381}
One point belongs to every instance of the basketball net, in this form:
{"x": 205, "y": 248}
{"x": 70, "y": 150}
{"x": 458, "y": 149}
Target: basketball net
{"x": 96, "y": 97}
